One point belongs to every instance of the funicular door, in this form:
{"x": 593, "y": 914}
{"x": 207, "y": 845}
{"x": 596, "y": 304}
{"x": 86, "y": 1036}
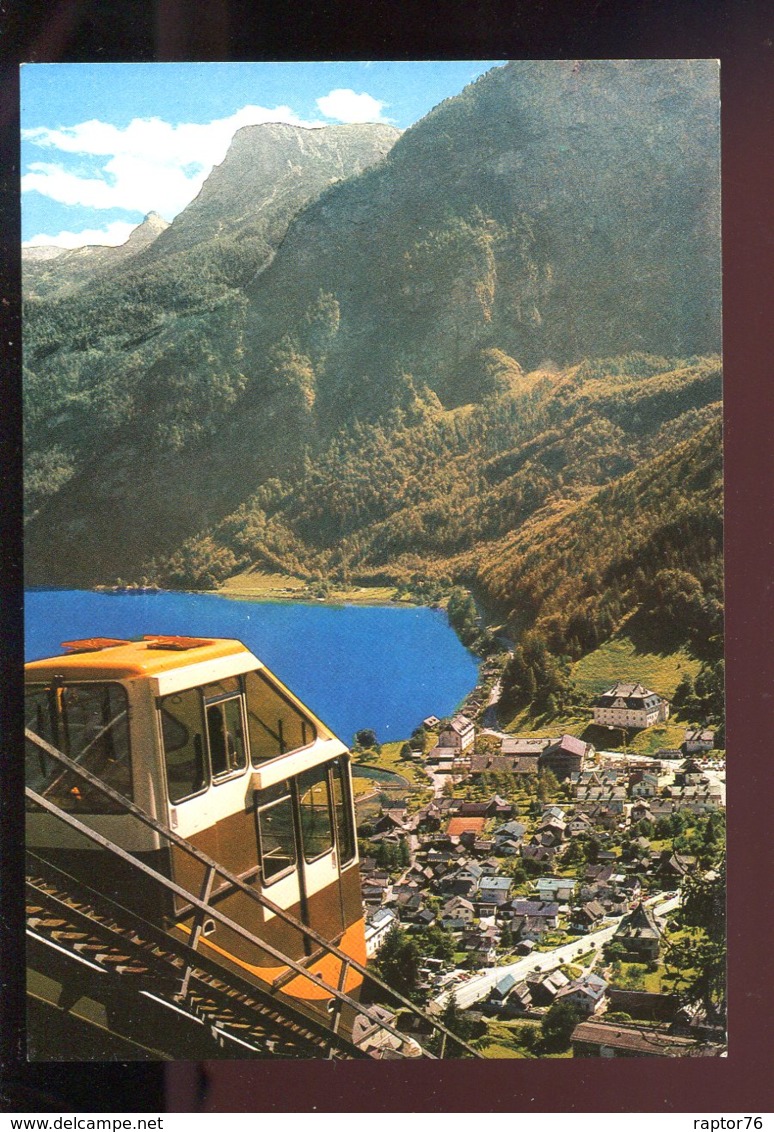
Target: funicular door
{"x": 318, "y": 852}
{"x": 297, "y": 818}
{"x": 297, "y": 843}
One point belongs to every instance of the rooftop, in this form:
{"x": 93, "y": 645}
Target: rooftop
{"x": 642, "y": 1040}
{"x": 109, "y": 658}
{"x": 635, "y": 695}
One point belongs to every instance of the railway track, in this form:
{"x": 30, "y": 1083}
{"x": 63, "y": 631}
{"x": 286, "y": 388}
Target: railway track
{"x": 133, "y": 955}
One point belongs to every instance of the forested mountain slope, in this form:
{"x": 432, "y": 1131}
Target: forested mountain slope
{"x": 146, "y": 353}
{"x": 403, "y": 382}
{"x": 561, "y": 499}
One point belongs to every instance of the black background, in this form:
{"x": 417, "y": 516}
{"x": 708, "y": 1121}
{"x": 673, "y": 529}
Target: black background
{"x": 741, "y": 35}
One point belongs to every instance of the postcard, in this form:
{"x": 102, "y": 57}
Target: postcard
{"x": 374, "y": 560}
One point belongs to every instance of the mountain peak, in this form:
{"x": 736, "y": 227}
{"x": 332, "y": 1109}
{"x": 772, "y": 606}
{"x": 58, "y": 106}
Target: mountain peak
{"x": 272, "y": 171}
{"x": 146, "y": 232}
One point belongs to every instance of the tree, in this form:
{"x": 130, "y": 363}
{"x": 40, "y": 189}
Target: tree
{"x": 574, "y": 853}
{"x": 614, "y": 950}
{"x": 547, "y": 786}
{"x": 436, "y": 942}
{"x": 365, "y": 738}
{"x": 698, "y": 958}
{"x": 398, "y": 962}
{"x": 684, "y": 698}
{"x": 558, "y": 1024}
{"x": 456, "y": 1020}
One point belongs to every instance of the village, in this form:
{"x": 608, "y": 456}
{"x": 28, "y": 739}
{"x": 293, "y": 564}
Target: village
{"x": 535, "y": 900}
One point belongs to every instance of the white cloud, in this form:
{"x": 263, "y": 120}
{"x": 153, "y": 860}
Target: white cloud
{"x": 347, "y": 106}
{"x": 148, "y": 165}
{"x": 112, "y": 234}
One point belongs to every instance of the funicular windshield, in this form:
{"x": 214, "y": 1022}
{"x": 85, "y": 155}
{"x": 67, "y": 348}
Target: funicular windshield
{"x": 209, "y": 732}
{"x": 89, "y": 723}
{"x": 276, "y": 725}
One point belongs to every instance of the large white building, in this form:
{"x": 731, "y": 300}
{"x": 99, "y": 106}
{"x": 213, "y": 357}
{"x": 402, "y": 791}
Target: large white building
{"x": 460, "y": 733}
{"x": 630, "y": 705}
{"x": 378, "y": 927}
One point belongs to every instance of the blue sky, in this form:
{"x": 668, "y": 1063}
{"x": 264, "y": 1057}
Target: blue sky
{"x": 104, "y": 144}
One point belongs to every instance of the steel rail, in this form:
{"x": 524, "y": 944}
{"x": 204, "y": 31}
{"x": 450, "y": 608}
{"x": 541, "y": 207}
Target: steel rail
{"x": 209, "y": 910}
{"x": 159, "y": 951}
{"x": 208, "y": 863}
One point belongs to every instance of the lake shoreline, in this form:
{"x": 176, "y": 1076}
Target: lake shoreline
{"x": 380, "y": 665}
{"x": 259, "y": 586}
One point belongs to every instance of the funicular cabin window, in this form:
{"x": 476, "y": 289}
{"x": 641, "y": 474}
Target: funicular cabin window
{"x": 275, "y": 726}
{"x": 182, "y": 731}
{"x": 276, "y": 835}
{"x": 315, "y": 808}
{"x": 89, "y": 723}
{"x": 226, "y": 737}
{"x": 342, "y": 812}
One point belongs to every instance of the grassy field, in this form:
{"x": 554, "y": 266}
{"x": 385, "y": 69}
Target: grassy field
{"x": 503, "y": 1039}
{"x": 494, "y": 1049}
{"x": 622, "y": 658}
{"x": 636, "y": 976}
{"x": 417, "y": 793}
{"x": 388, "y": 758}
{"x": 362, "y": 786}
{"x": 257, "y": 585}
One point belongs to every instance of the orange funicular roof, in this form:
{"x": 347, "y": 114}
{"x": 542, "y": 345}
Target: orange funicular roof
{"x": 102, "y": 657}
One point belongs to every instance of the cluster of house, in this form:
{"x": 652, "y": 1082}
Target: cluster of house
{"x": 454, "y": 752}
{"x": 461, "y": 856}
{"x": 624, "y": 706}
{"x": 459, "y": 878}
{"x": 512, "y": 998}
{"x": 643, "y": 790}
{"x": 563, "y": 756}
{"x": 659, "y": 1026}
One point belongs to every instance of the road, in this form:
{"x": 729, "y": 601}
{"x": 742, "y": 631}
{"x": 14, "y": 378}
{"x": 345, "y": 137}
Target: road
{"x": 467, "y": 993}
{"x": 489, "y": 720}
{"x": 438, "y": 780}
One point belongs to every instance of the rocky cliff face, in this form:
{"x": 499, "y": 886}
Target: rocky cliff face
{"x": 269, "y": 174}
{"x": 552, "y": 210}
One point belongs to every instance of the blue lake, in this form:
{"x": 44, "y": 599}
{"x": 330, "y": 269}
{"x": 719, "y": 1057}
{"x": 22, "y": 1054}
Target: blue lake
{"x": 383, "y": 667}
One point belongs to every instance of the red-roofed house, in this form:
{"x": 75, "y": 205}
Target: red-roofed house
{"x": 566, "y": 756}
{"x": 458, "y": 826}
